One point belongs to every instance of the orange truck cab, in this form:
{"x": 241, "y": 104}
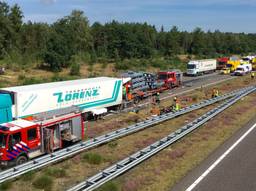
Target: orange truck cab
{"x": 172, "y": 78}
{"x": 21, "y": 140}
{"x": 221, "y": 63}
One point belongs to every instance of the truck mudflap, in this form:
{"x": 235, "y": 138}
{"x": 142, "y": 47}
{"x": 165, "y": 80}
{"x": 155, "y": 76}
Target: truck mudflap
{"x": 4, "y": 164}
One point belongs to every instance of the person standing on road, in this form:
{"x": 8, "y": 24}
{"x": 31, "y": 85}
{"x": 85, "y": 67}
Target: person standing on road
{"x": 124, "y": 93}
{"x": 213, "y": 92}
{"x": 129, "y": 93}
{"x": 158, "y": 98}
{"x": 252, "y": 75}
{"x": 216, "y": 93}
{"x": 176, "y": 105}
{"x": 175, "y": 99}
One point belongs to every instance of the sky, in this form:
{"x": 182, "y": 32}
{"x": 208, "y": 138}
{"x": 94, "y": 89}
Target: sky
{"x": 224, "y": 15}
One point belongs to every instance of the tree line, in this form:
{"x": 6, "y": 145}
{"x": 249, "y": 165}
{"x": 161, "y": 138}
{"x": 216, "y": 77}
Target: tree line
{"x": 72, "y": 40}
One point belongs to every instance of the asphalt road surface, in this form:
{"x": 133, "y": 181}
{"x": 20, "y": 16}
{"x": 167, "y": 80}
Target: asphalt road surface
{"x": 232, "y": 167}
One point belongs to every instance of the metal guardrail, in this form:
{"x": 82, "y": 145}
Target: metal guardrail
{"x": 77, "y": 148}
{"x": 140, "y": 156}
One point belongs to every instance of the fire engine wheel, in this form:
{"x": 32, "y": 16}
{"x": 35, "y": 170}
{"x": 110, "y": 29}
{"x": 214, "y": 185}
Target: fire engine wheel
{"x": 21, "y": 160}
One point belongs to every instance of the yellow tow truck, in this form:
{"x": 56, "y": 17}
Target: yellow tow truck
{"x": 230, "y": 67}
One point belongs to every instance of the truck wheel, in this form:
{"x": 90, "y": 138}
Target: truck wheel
{"x": 136, "y": 100}
{"x": 21, "y": 160}
{"x": 171, "y": 85}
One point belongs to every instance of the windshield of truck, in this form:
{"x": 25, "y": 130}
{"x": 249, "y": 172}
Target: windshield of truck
{"x": 2, "y": 140}
{"x": 162, "y": 76}
{"x": 234, "y": 58}
{"x": 229, "y": 65}
{"x": 191, "y": 66}
{"x": 240, "y": 69}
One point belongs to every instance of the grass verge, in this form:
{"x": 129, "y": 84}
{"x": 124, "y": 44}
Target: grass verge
{"x": 6, "y": 186}
{"x": 43, "y": 182}
{"x": 92, "y": 158}
{"x": 110, "y": 186}
{"x": 55, "y": 172}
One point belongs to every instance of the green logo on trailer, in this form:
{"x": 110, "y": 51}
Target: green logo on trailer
{"x": 64, "y": 97}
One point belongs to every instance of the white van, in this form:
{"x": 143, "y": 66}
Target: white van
{"x": 243, "y": 69}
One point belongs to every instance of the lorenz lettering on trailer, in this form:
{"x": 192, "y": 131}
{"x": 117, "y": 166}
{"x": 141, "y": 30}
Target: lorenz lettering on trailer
{"x": 61, "y": 97}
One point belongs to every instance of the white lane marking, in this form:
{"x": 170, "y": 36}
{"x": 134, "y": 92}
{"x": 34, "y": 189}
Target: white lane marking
{"x": 200, "y": 178}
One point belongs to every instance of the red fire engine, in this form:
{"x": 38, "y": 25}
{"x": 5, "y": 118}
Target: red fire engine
{"x": 21, "y": 140}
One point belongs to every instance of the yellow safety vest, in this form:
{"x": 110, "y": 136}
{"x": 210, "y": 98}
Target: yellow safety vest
{"x": 217, "y": 93}
{"x": 177, "y": 107}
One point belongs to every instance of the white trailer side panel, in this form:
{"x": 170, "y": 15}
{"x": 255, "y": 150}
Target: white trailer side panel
{"x": 87, "y": 94}
{"x": 207, "y": 65}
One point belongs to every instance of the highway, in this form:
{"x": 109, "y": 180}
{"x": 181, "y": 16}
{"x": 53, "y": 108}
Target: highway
{"x": 230, "y": 168}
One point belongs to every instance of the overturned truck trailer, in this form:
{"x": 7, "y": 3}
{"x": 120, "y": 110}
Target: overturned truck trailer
{"x": 87, "y": 94}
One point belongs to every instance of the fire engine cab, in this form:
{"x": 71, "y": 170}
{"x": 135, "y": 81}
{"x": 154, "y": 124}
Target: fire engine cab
{"x": 21, "y": 140}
